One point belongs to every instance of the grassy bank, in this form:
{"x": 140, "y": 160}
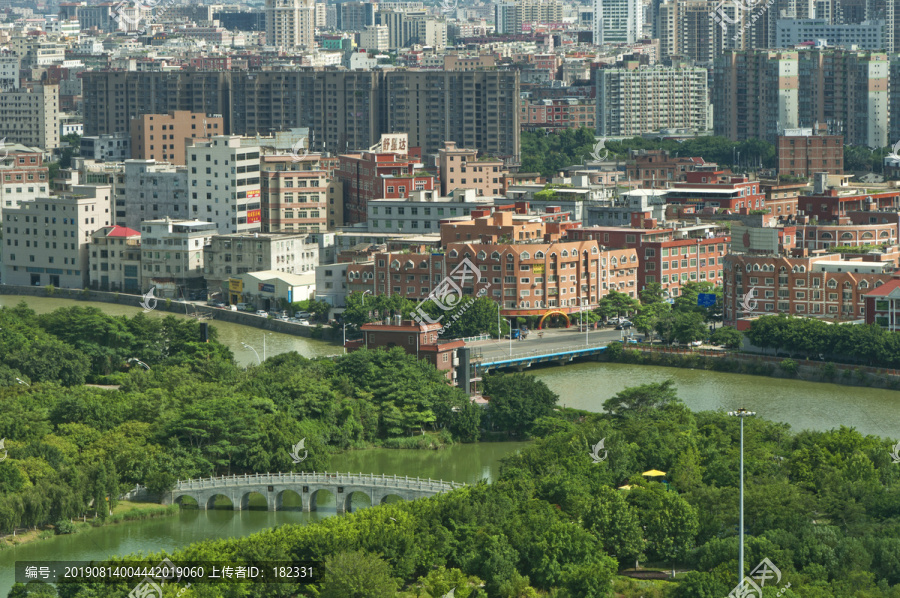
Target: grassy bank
{"x": 124, "y": 511}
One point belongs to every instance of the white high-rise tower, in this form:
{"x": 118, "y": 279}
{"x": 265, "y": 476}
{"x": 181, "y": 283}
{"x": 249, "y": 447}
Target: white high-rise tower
{"x": 617, "y": 21}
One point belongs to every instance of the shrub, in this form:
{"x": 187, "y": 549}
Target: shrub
{"x": 64, "y": 526}
{"x": 789, "y": 367}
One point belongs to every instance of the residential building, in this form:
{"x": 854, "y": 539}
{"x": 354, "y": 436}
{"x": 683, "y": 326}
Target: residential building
{"x": 527, "y": 278}
{"x": 23, "y": 176}
{"x": 30, "y": 116}
{"x": 163, "y": 137}
{"x": 172, "y": 255}
{"x": 641, "y": 207}
{"x": 115, "y": 147}
{"x": 656, "y": 169}
{"x": 671, "y": 256}
{"x": 153, "y": 190}
{"x": 47, "y": 240}
{"x": 882, "y": 305}
{"x": 229, "y": 255}
{"x": 823, "y": 286}
{"x": 634, "y": 101}
{"x": 801, "y": 153}
{"x": 290, "y": 24}
{"x": 375, "y": 37}
{"x": 827, "y": 204}
{"x": 617, "y": 21}
{"x": 868, "y": 35}
{"x": 554, "y": 115}
{"x": 376, "y": 175}
{"x": 416, "y": 339}
{"x": 346, "y": 110}
{"x": 9, "y": 72}
{"x": 781, "y": 198}
{"x": 686, "y": 31}
{"x": 115, "y": 259}
{"x": 712, "y": 188}
{"x": 756, "y": 95}
{"x": 422, "y": 212}
{"x": 294, "y": 194}
{"x": 224, "y": 183}
{"x": 331, "y": 284}
{"x": 760, "y": 93}
{"x": 462, "y": 169}
{"x": 509, "y": 17}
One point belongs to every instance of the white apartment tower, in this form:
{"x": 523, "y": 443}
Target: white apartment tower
{"x": 617, "y": 21}
{"x": 291, "y": 23}
{"x": 223, "y": 183}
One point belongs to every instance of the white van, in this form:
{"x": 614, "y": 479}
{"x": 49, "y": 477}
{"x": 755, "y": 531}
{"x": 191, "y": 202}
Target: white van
{"x": 244, "y": 307}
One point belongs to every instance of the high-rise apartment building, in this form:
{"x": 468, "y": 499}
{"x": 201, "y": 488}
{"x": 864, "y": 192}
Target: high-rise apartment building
{"x": 291, "y": 23}
{"x": 224, "y": 184}
{"x": 162, "y": 137}
{"x": 759, "y": 93}
{"x": 618, "y": 21}
{"x": 23, "y": 176}
{"x": 633, "y": 101}
{"x": 31, "y": 116}
{"x": 510, "y": 16}
{"x": 346, "y": 110}
{"x": 686, "y": 31}
{"x": 756, "y": 94}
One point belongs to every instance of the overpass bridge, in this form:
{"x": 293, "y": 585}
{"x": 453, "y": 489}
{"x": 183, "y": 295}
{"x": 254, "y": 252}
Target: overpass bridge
{"x": 308, "y": 486}
{"x": 520, "y": 361}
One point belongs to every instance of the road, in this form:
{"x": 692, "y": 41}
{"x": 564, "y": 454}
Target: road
{"x": 554, "y": 340}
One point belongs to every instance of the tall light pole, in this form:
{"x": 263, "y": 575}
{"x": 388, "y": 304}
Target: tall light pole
{"x": 246, "y": 346}
{"x": 741, "y": 413}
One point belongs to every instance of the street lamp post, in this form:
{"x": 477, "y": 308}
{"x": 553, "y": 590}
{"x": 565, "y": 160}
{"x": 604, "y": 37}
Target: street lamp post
{"x": 741, "y": 413}
{"x": 139, "y": 362}
{"x": 246, "y": 346}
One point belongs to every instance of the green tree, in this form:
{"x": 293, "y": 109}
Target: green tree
{"x": 639, "y": 400}
{"x": 649, "y": 314}
{"x": 357, "y": 574}
{"x": 687, "y": 300}
{"x": 616, "y": 304}
{"x": 652, "y": 293}
{"x": 727, "y": 336}
{"x": 517, "y": 401}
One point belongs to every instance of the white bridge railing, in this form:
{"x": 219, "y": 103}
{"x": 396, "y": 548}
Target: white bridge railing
{"x": 315, "y": 478}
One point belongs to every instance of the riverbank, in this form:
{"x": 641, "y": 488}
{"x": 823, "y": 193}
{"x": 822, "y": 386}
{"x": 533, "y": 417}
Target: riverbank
{"x": 212, "y": 314}
{"x": 125, "y": 511}
{"x": 757, "y": 365}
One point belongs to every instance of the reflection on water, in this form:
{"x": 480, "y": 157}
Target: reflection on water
{"x": 803, "y": 405}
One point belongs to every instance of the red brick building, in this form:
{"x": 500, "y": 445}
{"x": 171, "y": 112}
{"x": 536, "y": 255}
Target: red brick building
{"x": 805, "y": 155}
{"x": 832, "y": 204}
{"x": 781, "y": 198}
{"x": 656, "y": 169}
{"x": 378, "y": 175}
{"x": 823, "y": 286}
{"x": 671, "y": 257}
{"x": 416, "y": 339}
{"x": 708, "y": 188}
{"x": 883, "y": 305}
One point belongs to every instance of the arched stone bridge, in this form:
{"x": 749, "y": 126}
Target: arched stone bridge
{"x": 307, "y": 486}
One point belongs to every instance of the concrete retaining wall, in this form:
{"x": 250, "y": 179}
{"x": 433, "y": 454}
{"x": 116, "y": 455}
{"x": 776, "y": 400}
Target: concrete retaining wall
{"x": 178, "y": 307}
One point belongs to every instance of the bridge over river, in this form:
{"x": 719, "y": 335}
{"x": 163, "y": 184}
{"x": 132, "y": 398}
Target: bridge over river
{"x": 308, "y": 486}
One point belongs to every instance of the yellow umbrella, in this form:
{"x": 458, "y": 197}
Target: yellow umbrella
{"x": 653, "y": 473}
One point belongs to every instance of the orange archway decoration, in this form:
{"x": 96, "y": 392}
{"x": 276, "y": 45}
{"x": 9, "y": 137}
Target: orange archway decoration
{"x": 552, "y": 312}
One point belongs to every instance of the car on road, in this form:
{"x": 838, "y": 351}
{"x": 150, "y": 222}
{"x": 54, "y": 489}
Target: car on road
{"x": 303, "y": 322}
{"x": 624, "y": 325}
{"x": 262, "y": 312}
{"x": 217, "y": 304}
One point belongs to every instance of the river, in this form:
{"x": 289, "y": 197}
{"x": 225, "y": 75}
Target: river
{"x": 803, "y": 405}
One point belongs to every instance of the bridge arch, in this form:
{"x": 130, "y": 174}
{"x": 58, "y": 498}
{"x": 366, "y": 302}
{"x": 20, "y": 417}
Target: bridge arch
{"x": 553, "y": 312}
{"x": 187, "y": 501}
{"x": 391, "y": 497}
{"x": 359, "y": 494}
{"x": 324, "y": 495}
{"x": 246, "y": 496}
{"x": 210, "y": 500}
{"x": 292, "y": 496}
